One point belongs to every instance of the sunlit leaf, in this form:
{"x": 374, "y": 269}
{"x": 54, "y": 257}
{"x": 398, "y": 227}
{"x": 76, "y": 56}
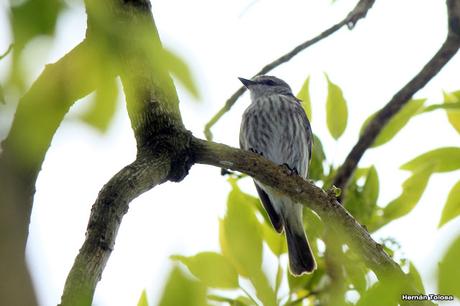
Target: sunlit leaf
{"x": 239, "y": 301}
{"x": 361, "y": 200}
{"x": 243, "y": 243}
{"x": 275, "y": 241}
{"x": 181, "y": 71}
{"x": 306, "y": 282}
{"x": 452, "y": 207}
{"x": 380, "y": 294}
{"x": 316, "y": 169}
{"x": 416, "y": 279}
{"x": 213, "y": 269}
{"x": 181, "y": 290}
{"x": 413, "y": 188}
{"x": 449, "y": 271}
{"x": 143, "y": 299}
{"x": 336, "y": 110}
{"x": 304, "y": 96}
{"x": 103, "y": 106}
{"x": 453, "y": 115}
{"x": 314, "y": 226}
{"x": 396, "y": 123}
{"x": 443, "y": 160}
{"x": 264, "y": 291}
{"x": 449, "y": 106}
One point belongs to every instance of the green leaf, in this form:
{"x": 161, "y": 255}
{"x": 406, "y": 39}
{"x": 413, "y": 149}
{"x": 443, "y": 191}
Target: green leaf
{"x": 213, "y": 269}
{"x": 443, "y": 160}
{"x": 242, "y": 239}
{"x": 452, "y": 206}
{"x": 361, "y": 201}
{"x": 304, "y": 282}
{"x": 449, "y": 106}
{"x": 316, "y": 169}
{"x": 103, "y": 106}
{"x": 181, "y": 290}
{"x": 396, "y": 123}
{"x": 336, "y": 110}
{"x": 380, "y": 294}
{"x": 275, "y": 241}
{"x": 32, "y": 18}
{"x": 181, "y": 71}
{"x": 304, "y": 96}
{"x": 371, "y": 186}
{"x": 416, "y": 279}
{"x": 413, "y": 188}
{"x": 143, "y": 299}
{"x": 453, "y": 115}
{"x": 264, "y": 291}
{"x": 449, "y": 271}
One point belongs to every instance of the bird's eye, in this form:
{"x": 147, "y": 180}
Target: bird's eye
{"x": 269, "y": 82}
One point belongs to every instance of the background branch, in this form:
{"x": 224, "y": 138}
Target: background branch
{"x": 38, "y": 115}
{"x": 448, "y": 49}
{"x": 352, "y": 18}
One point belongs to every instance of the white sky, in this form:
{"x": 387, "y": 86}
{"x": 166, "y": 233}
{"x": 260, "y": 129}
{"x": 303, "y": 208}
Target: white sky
{"x": 222, "y": 40}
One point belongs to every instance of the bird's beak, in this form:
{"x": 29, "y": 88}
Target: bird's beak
{"x": 247, "y": 82}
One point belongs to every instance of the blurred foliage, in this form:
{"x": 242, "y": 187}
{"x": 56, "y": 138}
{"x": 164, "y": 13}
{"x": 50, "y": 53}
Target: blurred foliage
{"x": 143, "y": 299}
{"x": 336, "y": 110}
{"x": 449, "y": 271}
{"x": 26, "y": 25}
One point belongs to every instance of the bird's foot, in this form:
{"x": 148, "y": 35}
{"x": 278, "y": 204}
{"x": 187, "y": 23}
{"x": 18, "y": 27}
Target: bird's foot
{"x": 290, "y": 171}
{"x": 255, "y": 151}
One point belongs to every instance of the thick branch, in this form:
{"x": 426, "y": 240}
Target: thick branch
{"x": 352, "y": 18}
{"x": 106, "y": 216}
{"x": 326, "y": 206}
{"x": 448, "y": 49}
{"x": 162, "y": 141}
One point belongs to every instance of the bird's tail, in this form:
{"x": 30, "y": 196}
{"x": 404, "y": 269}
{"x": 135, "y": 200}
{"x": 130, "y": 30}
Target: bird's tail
{"x": 301, "y": 259}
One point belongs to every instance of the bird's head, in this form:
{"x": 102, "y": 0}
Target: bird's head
{"x": 266, "y": 85}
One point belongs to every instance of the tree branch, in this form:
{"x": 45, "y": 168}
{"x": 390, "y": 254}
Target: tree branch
{"x": 162, "y": 141}
{"x": 448, "y": 49}
{"x": 325, "y": 205}
{"x": 106, "y": 216}
{"x": 352, "y": 18}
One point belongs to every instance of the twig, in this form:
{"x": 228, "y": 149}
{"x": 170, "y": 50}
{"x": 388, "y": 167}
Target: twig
{"x": 448, "y": 49}
{"x": 352, "y": 18}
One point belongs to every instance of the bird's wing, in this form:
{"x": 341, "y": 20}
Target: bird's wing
{"x": 275, "y": 218}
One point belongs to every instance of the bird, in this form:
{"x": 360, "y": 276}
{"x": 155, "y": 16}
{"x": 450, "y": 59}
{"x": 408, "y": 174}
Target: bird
{"x": 276, "y": 126}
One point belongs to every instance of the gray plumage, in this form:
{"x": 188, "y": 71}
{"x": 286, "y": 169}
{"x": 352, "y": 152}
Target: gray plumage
{"x": 276, "y": 126}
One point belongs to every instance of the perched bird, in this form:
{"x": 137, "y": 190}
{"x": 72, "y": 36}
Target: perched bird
{"x": 275, "y": 126}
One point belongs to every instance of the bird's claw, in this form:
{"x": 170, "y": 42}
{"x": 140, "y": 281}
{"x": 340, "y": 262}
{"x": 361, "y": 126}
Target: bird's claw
{"x": 291, "y": 171}
{"x": 255, "y": 151}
